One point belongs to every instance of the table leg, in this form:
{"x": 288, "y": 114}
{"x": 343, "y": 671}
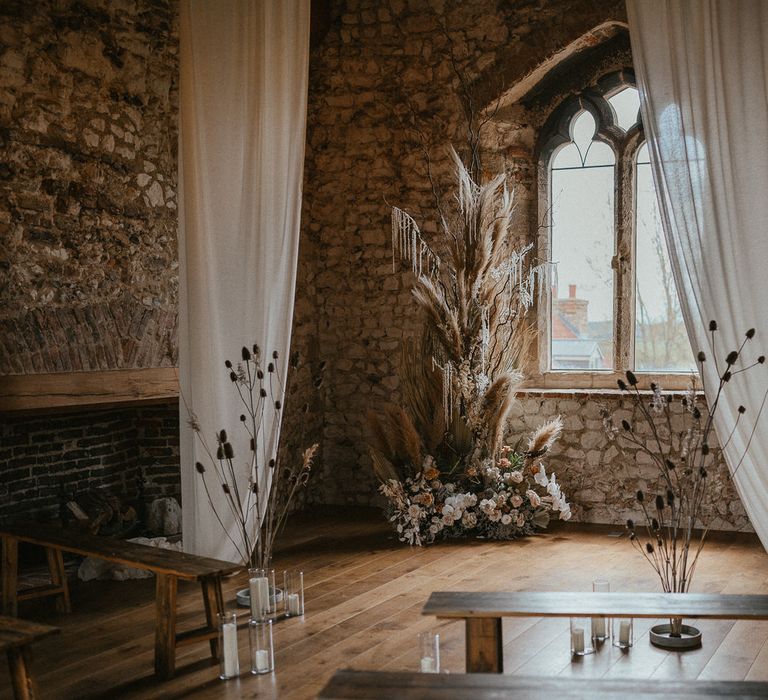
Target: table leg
{"x": 484, "y": 645}
{"x": 19, "y": 663}
{"x": 59, "y": 578}
{"x": 165, "y": 625}
{"x": 10, "y": 575}
{"x": 213, "y": 600}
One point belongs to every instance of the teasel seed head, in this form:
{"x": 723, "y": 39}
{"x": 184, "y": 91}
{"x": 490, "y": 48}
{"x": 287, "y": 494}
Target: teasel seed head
{"x": 246, "y": 353}
{"x": 200, "y": 468}
{"x": 229, "y": 453}
{"x": 649, "y": 548}
{"x": 659, "y": 503}
{"x": 622, "y": 384}
{"x": 640, "y": 496}
{"x": 670, "y": 497}
{"x": 630, "y": 524}
{"x": 713, "y": 325}
{"x": 750, "y": 333}
{"x": 227, "y": 364}
{"x": 631, "y": 378}
{"x": 742, "y": 410}
{"x": 225, "y": 488}
{"x": 701, "y": 357}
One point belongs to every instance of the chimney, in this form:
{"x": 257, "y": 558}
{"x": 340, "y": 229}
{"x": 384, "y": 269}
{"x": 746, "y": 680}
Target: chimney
{"x": 571, "y": 291}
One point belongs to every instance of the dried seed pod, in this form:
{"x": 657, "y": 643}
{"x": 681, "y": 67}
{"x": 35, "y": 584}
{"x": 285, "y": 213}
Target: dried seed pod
{"x": 229, "y": 453}
{"x": 640, "y": 496}
{"x": 200, "y": 468}
{"x": 246, "y": 354}
{"x": 631, "y": 378}
{"x": 659, "y": 503}
{"x": 713, "y": 325}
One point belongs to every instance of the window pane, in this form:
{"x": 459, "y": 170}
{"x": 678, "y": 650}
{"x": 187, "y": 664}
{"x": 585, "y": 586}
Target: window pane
{"x": 581, "y": 202}
{"x": 661, "y": 343}
{"x": 626, "y": 105}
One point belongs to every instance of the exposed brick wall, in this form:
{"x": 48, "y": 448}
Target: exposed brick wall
{"x": 88, "y": 131}
{"x": 78, "y": 451}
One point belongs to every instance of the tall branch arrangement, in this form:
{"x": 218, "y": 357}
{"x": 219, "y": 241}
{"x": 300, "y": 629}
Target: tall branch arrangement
{"x": 257, "y": 490}
{"x": 673, "y": 531}
{"x": 460, "y": 377}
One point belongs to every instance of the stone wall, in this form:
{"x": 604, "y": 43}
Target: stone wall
{"x": 386, "y": 87}
{"x": 88, "y": 130}
{"x": 46, "y": 457}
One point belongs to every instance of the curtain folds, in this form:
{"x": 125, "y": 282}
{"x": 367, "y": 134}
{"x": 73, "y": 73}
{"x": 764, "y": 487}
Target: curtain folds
{"x": 702, "y": 69}
{"x": 243, "y": 100}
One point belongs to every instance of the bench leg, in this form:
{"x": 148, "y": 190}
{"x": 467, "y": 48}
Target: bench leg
{"x": 484, "y": 645}
{"x": 59, "y": 578}
{"x": 10, "y": 575}
{"x": 213, "y": 600}
{"x": 165, "y": 625}
{"x": 19, "y": 663}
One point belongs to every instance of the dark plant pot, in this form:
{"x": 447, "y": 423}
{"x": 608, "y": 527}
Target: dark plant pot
{"x": 689, "y": 638}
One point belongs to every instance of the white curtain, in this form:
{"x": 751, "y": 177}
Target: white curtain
{"x": 243, "y": 101}
{"x": 702, "y": 69}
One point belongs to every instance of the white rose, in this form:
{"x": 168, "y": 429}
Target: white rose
{"x": 517, "y": 477}
{"x": 520, "y": 520}
{"x": 447, "y": 519}
{"x": 516, "y": 501}
{"x": 414, "y": 512}
{"x": 534, "y": 498}
{"x": 506, "y": 519}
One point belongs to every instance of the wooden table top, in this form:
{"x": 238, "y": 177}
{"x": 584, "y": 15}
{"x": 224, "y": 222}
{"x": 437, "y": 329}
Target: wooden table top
{"x": 569, "y": 604}
{"x": 18, "y": 633}
{"x": 141, "y": 556}
{"x": 487, "y": 686}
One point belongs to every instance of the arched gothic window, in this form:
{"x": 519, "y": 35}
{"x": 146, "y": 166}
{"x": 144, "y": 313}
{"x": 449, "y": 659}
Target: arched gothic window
{"x": 613, "y": 304}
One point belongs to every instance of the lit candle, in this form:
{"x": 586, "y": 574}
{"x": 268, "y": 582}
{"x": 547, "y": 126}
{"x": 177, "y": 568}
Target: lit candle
{"x": 577, "y": 640}
{"x": 231, "y": 660}
{"x": 598, "y": 628}
{"x": 259, "y": 591}
{"x": 293, "y": 604}
{"x": 262, "y": 660}
{"x": 624, "y": 628}
{"x": 428, "y": 665}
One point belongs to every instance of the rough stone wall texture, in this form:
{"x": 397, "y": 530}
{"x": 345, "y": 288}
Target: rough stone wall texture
{"x": 88, "y": 130}
{"x": 601, "y": 476}
{"x": 384, "y": 88}
{"x": 70, "y": 453}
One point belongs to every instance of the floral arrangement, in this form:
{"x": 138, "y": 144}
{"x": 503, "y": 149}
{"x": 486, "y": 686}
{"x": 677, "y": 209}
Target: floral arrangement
{"x": 442, "y": 460}
{"x": 499, "y": 503}
{"x": 673, "y": 530}
{"x": 257, "y": 490}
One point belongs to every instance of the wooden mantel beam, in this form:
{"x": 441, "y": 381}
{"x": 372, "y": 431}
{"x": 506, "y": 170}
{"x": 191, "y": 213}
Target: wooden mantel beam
{"x": 22, "y": 392}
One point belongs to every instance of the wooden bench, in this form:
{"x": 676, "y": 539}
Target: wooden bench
{"x": 16, "y": 636}
{"x": 483, "y": 611}
{"x": 481, "y": 686}
{"x": 168, "y": 566}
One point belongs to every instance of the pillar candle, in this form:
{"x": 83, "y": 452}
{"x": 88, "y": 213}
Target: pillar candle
{"x": 598, "y": 628}
{"x": 624, "y": 633}
{"x": 262, "y": 660}
{"x": 428, "y": 665}
{"x": 293, "y": 604}
{"x": 259, "y": 591}
{"x": 577, "y": 640}
{"x": 231, "y": 660}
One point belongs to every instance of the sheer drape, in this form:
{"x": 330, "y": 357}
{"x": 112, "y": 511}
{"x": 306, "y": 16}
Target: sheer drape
{"x": 243, "y": 97}
{"x": 702, "y": 69}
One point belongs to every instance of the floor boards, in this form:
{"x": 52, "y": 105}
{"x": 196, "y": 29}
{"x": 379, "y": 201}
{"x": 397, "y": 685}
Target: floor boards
{"x": 364, "y": 593}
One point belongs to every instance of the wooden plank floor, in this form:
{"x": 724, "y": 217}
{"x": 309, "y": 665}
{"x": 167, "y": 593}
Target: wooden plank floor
{"x": 364, "y": 594}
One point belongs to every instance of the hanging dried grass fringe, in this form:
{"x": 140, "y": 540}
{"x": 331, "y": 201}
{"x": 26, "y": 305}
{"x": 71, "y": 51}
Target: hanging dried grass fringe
{"x": 407, "y": 244}
{"x": 447, "y": 392}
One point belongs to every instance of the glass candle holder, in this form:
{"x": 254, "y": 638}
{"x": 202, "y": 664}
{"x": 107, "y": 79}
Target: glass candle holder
{"x": 262, "y": 591}
{"x": 429, "y": 652}
{"x": 581, "y": 638}
{"x": 293, "y": 593}
{"x": 229, "y": 661}
{"x": 600, "y": 626}
{"x": 622, "y": 632}
{"x": 262, "y": 648}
